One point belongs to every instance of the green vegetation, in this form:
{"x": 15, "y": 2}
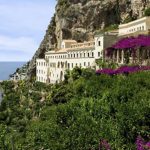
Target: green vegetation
{"x": 77, "y": 113}
{"x": 107, "y": 29}
{"x": 147, "y": 12}
{"x": 128, "y": 19}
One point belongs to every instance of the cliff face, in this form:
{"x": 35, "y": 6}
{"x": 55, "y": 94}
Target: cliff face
{"x": 79, "y": 19}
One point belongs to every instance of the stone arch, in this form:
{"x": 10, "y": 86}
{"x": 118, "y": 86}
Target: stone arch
{"x": 58, "y": 65}
{"x": 61, "y": 76}
{"x": 66, "y": 64}
{"x": 62, "y": 64}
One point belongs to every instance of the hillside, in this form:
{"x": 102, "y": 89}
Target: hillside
{"x": 80, "y": 19}
{"x": 77, "y": 113}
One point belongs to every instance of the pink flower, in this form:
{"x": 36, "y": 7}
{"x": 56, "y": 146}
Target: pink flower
{"x": 140, "y": 143}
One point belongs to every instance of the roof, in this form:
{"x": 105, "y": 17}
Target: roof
{"x": 80, "y": 48}
{"x": 61, "y": 51}
{"x": 56, "y": 51}
{"x": 69, "y": 41}
{"x": 85, "y": 42}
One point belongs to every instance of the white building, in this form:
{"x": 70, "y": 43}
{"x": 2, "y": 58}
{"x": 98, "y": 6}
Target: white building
{"x": 141, "y": 25}
{"x": 52, "y": 68}
{"x": 17, "y": 76}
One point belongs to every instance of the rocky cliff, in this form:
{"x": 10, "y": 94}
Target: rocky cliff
{"x": 80, "y": 19}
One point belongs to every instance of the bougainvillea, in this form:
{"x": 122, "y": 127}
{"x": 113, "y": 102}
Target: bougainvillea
{"x": 123, "y": 70}
{"x": 147, "y": 145}
{"x": 130, "y": 43}
{"x": 140, "y": 143}
{"x": 104, "y": 144}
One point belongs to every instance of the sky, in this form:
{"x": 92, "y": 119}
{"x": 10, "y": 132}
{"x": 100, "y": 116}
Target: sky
{"x": 23, "y": 24}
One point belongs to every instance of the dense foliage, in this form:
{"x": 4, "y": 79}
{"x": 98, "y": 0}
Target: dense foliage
{"x": 77, "y": 113}
{"x": 147, "y": 12}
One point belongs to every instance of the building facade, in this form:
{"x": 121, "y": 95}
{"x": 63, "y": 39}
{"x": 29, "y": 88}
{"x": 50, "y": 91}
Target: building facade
{"x": 17, "y": 76}
{"x": 140, "y": 26}
{"x": 52, "y": 68}
{"x": 135, "y": 31}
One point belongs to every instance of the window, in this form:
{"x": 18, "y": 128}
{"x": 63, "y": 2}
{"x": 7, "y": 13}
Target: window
{"x": 99, "y": 54}
{"x": 80, "y": 54}
{"x": 84, "y": 63}
{"x": 68, "y": 65}
{"x": 142, "y": 27}
{"x": 84, "y": 54}
{"x": 88, "y": 55}
{"x": 92, "y": 54}
{"x": 74, "y": 55}
{"x": 99, "y": 43}
{"x": 72, "y": 65}
{"x": 88, "y": 63}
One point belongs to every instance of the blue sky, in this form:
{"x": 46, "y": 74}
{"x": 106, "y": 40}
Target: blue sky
{"x": 22, "y": 26}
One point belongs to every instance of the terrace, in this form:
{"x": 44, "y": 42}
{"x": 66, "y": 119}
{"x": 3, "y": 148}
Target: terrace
{"x": 130, "y": 50}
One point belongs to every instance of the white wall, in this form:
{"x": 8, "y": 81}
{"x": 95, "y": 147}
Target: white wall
{"x": 83, "y": 57}
{"x": 41, "y": 70}
{"x": 98, "y": 52}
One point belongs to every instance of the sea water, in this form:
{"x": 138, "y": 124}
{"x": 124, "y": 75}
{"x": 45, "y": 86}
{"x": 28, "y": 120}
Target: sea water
{"x": 7, "y": 68}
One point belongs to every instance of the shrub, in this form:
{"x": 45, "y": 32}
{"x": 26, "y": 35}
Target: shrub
{"x": 147, "y": 12}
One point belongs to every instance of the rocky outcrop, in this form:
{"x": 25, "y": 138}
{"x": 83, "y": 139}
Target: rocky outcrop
{"x": 80, "y": 19}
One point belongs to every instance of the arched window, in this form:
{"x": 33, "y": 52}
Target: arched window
{"x": 84, "y": 54}
{"x": 142, "y": 27}
{"x": 58, "y": 65}
{"x": 92, "y": 54}
{"x": 68, "y": 65}
{"x": 99, "y": 43}
{"x": 80, "y": 54}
